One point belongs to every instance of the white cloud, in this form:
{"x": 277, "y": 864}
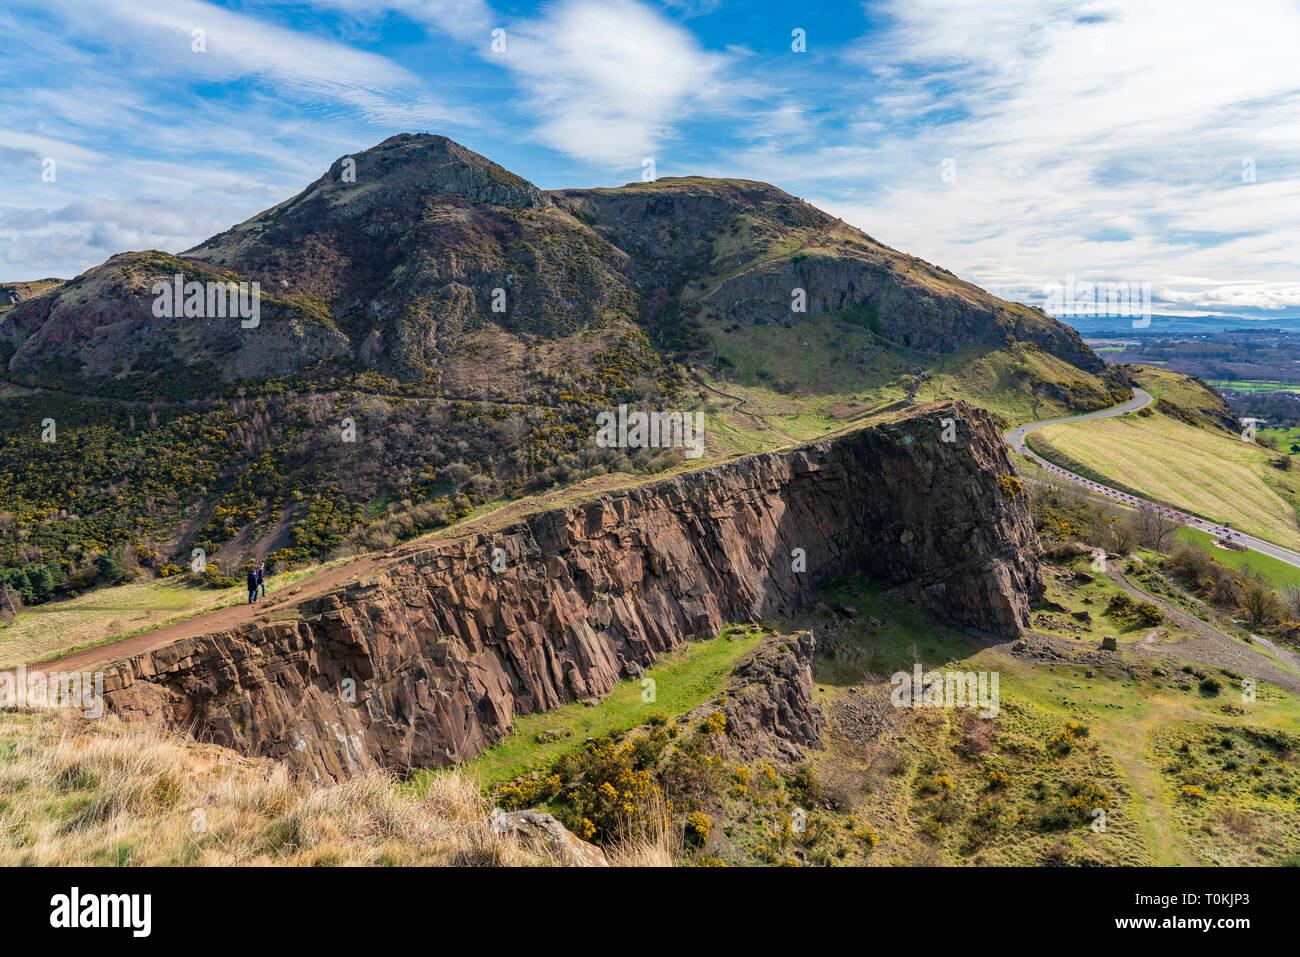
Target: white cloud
{"x": 608, "y": 80}
{"x": 162, "y": 39}
{"x": 1081, "y": 123}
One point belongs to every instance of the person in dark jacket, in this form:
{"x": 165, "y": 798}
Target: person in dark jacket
{"x": 261, "y": 577}
{"x": 252, "y": 585}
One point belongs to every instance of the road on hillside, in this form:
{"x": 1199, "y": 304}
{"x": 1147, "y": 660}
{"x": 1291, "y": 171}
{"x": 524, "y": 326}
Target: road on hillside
{"x": 1141, "y": 399}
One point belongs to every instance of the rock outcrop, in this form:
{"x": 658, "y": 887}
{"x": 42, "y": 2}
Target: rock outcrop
{"x": 769, "y": 707}
{"x": 427, "y": 662}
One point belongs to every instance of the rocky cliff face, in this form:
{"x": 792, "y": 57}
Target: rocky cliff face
{"x": 427, "y": 662}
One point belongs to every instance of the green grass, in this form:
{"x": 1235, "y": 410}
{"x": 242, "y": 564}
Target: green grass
{"x": 1282, "y": 439}
{"x": 1279, "y": 573}
{"x": 1137, "y": 713}
{"x": 1010, "y": 383}
{"x": 107, "y": 614}
{"x": 1244, "y": 385}
{"x": 683, "y": 679}
{"x": 822, "y": 356}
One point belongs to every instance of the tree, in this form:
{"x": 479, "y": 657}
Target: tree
{"x": 1259, "y": 602}
{"x": 43, "y": 581}
{"x": 111, "y": 568}
{"x": 20, "y": 584}
{"x": 10, "y": 603}
{"x": 1153, "y": 528}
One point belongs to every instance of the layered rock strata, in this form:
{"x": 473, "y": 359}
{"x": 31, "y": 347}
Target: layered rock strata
{"x": 427, "y": 662}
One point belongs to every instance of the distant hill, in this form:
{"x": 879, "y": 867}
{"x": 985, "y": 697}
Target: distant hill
{"x": 1179, "y": 325}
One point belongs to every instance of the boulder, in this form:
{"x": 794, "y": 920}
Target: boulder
{"x": 544, "y": 832}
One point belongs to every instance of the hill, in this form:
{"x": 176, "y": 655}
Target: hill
{"x": 433, "y": 334}
{"x": 1187, "y": 450}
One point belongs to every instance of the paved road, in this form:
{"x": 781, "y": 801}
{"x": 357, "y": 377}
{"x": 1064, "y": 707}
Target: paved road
{"x": 1141, "y": 399}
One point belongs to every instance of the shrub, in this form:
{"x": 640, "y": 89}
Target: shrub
{"x": 716, "y": 723}
{"x": 996, "y": 778}
{"x": 1147, "y": 615}
{"x": 1085, "y": 797}
{"x": 698, "y": 827}
{"x": 1063, "y": 740}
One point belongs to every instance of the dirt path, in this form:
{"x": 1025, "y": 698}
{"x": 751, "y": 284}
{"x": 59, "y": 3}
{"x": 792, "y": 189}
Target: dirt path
{"x": 740, "y": 400}
{"x": 1211, "y": 646}
{"x": 220, "y": 619}
{"x": 1152, "y": 808}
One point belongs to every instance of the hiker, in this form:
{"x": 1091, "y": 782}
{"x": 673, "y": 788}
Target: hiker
{"x": 261, "y": 577}
{"x": 252, "y": 586}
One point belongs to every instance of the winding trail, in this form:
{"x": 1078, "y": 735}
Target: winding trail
{"x": 1141, "y": 399}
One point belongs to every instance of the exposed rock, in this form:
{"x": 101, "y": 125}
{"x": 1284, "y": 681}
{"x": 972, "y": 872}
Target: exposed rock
{"x": 553, "y": 734}
{"x": 546, "y": 833}
{"x": 770, "y": 709}
{"x": 442, "y": 651}
{"x": 1110, "y": 643}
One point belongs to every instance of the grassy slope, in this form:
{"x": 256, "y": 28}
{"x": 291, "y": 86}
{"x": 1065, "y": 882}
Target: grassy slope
{"x": 1137, "y": 721}
{"x": 74, "y": 792}
{"x": 683, "y": 679}
{"x": 819, "y": 363}
{"x": 107, "y": 614}
{"x": 1207, "y": 471}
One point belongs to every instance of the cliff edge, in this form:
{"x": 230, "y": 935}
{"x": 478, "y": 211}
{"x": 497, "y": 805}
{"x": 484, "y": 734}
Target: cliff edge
{"x": 426, "y": 663}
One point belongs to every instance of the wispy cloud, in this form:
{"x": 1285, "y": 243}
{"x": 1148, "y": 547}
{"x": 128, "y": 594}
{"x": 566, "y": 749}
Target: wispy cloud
{"x": 608, "y": 79}
{"x": 1140, "y": 140}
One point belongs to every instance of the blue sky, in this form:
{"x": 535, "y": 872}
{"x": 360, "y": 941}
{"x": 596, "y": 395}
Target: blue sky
{"x": 1016, "y": 144}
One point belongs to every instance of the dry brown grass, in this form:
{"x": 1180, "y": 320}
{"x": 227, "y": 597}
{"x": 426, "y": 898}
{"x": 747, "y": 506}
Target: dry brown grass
{"x": 655, "y": 844}
{"x": 76, "y": 792}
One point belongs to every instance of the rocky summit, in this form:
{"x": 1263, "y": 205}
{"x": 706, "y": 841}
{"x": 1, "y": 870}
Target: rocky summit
{"x": 397, "y": 254}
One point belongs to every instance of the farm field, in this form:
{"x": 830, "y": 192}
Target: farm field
{"x": 1283, "y": 439}
{"x": 1206, "y": 473}
{"x": 1250, "y": 385}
